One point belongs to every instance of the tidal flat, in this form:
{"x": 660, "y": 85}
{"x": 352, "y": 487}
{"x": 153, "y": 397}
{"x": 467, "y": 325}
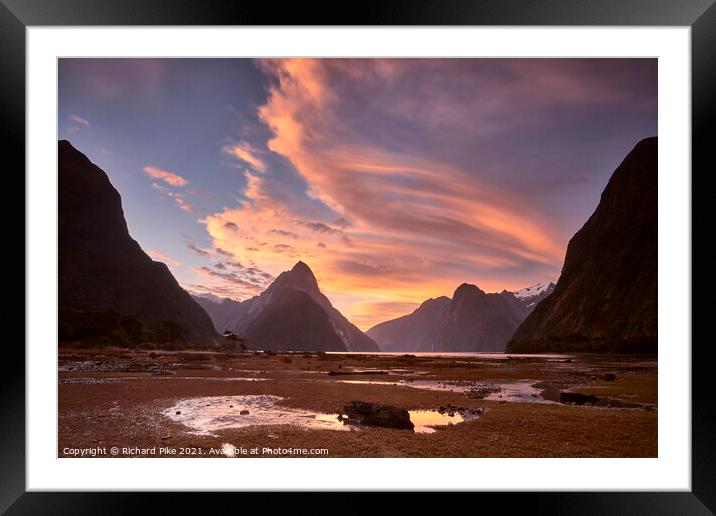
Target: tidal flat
{"x": 470, "y": 405}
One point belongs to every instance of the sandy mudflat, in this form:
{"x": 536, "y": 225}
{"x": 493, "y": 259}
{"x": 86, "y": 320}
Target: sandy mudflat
{"x": 129, "y": 399}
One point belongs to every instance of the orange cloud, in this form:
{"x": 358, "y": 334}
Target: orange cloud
{"x": 169, "y": 178}
{"x": 244, "y": 151}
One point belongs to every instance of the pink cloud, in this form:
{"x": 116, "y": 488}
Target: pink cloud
{"x": 169, "y": 178}
{"x": 245, "y": 152}
{"x": 78, "y": 120}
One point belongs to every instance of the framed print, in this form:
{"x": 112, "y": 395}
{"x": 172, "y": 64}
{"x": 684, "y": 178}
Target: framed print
{"x": 430, "y": 248}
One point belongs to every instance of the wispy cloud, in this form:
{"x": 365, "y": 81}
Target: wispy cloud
{"x": 196, "y": 249}
{"x": 247, "y": 153}
{"x": 78, "y": 120}
{"x": 169, "y": 178}
{"x": 234, "y": 278}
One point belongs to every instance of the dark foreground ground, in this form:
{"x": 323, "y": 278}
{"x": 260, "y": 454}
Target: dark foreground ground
{"x": 126, "y": 399}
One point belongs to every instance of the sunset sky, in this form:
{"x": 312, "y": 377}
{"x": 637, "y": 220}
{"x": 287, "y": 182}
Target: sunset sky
{"x": 394, "y": 180}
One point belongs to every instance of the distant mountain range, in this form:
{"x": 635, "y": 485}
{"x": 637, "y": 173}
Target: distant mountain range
{"x": 471, "y": 321}
{"x": 418, "y": 331}
{"x": 110, "y": 290}
{"x": 606, "y": 296}
{"x": 291, "y": 314}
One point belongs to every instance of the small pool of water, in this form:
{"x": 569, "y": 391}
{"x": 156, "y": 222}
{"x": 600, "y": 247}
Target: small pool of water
{"x": 522, "y": 391}
{"x": 401, "y": 371}
{"x": 207, "y": 415}
{"x": 426, "y": 421}
{"x": 368, "y": 382}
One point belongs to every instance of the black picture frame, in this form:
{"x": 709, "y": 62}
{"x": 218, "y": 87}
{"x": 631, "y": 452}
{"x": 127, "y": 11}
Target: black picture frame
{"x": 700, "y": 15}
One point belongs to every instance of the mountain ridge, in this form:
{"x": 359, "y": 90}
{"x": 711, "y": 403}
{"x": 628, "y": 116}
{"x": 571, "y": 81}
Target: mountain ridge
{"x": 425, "y": 330}
{"x": 606, "y": 296}
{"x": 103, "y": 271}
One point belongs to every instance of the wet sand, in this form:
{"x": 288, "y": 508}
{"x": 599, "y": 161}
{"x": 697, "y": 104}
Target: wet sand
{"x": 462, "y": 406}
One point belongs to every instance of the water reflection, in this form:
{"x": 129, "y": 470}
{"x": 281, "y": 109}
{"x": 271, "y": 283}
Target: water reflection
{"x": 207, "y": 415}
{"x": 425, "y": 421}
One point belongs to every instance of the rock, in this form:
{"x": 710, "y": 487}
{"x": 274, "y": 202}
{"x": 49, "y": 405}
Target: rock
{"x": 551, "y": 392}
{"x": 481, "y": 392}
{"x": 374, "y": 414}
{"x": 244, "y": 412}
{"x": 610, "y": 377}
{"x": 178, "y": 412}
{"x": 577, "y": 398}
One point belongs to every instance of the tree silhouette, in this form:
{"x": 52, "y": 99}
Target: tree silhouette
{"x": 234, "y": 339}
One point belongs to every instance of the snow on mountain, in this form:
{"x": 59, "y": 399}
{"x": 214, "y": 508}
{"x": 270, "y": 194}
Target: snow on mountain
{"x": 532, "y": 295}
{"x": 534, "y": 290}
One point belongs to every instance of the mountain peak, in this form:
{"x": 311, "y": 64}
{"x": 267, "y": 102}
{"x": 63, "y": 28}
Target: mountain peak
{"x": 303, "y": 274}
{"x": 299, "y": 277}
{"x": 466, "y": 289}
{"x": 293, "y": 312}
{"x": 302, "y": 267}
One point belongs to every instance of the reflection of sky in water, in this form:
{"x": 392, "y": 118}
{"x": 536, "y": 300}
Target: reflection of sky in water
{"x": 207, "y": 415}
{"x": 369, "y": 382}
{"x": 514, "y": 390}
{"x": 425, "y": 420}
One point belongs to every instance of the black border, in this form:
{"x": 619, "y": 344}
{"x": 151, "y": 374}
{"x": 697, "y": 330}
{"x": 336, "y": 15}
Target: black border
{"x": 700, "y": 15}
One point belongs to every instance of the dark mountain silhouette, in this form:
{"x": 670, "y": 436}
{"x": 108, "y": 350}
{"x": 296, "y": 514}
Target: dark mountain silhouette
{"x": 109, "y": 288}
{"x": 606, "y": 296}
{"x": 271, "y": 304}
{"x": 294, "y": 321}
{"x": 417, "y": 331}
{"x": 476, "y": 321}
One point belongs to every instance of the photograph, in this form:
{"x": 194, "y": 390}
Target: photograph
{"x": 357, "y": 257}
